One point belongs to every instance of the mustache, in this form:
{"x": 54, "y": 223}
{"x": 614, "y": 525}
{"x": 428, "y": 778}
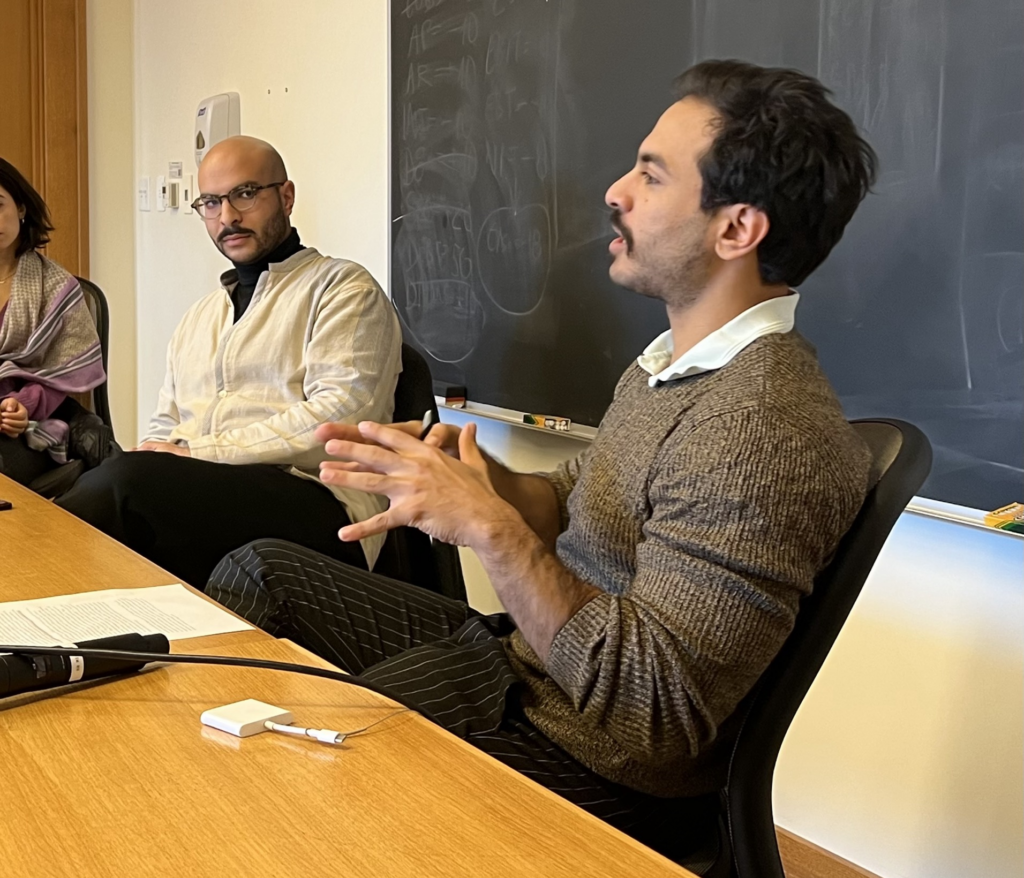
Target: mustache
{"x": 233, "y": 230}
{"x": 617, "y": 224}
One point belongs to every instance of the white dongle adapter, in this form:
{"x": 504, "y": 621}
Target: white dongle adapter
{"x": 244, "y": 718}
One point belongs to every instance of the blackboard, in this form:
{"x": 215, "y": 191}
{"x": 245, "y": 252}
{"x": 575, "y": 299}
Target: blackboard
{"x": 510, "y": 118}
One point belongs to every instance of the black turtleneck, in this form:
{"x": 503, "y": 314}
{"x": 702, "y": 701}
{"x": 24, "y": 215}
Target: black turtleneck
{"x": 249, "y": 273}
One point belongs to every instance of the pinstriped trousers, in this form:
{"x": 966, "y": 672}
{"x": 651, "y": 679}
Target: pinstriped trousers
{"x": 442, "y": 656}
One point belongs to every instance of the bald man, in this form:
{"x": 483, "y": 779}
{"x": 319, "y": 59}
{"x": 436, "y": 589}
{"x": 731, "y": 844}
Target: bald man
{"x": 291, "y": 339}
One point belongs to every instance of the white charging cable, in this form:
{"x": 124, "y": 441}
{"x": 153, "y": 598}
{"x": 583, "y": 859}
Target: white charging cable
{"x": 324, "y": 736}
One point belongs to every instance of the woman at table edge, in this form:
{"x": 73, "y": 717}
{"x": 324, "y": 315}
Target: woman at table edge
{"x": 49, "y": 348}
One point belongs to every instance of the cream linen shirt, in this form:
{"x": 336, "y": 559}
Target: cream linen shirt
{"x": 717, "y": 349}
{"x": 320, "y": 342}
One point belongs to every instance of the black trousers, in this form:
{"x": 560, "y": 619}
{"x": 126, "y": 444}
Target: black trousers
{"x": 443, "y": 657}
{"x": 186, "y": 514}
{"x": 21, "y": 463}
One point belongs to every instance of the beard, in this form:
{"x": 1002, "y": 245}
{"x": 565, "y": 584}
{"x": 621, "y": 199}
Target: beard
{"x": 671, "y": 267}
{"x": 266, "y": 240}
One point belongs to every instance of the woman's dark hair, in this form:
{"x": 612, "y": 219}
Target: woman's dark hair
{"x": 36, "y": 227}
{"x": 783, "y": 147}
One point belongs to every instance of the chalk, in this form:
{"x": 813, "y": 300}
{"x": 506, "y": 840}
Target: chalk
{"x": 1009, "y": 518}
{"x": 548, "y": 422}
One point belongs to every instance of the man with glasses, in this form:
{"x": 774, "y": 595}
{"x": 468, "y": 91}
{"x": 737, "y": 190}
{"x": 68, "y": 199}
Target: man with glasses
{"x": 291, "y": 339}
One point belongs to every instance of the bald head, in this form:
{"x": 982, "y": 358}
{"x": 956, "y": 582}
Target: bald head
{"x": 254, "y": 154}
{"x": 251, "y": 223}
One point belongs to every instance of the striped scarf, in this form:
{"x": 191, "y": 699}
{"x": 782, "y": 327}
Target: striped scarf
{"x": 48, "y": 337}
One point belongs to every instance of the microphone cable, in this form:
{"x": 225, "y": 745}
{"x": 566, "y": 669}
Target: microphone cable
{"x": 224, "y": 660}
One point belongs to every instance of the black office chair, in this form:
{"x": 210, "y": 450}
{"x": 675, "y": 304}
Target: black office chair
{"x": 747, "y": 846}
{"x": 408, "y": 554}
{"x": 97, "y": 305}
{"x": 58, "y": 481}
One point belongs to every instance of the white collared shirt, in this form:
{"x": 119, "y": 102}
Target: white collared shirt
{"x": 717, "y": 349}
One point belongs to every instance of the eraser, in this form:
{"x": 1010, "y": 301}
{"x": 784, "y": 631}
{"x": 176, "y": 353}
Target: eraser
{"x": 244, "y": 718}
{"x": 455, "y": 397}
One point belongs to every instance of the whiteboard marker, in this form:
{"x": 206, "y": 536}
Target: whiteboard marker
{"x": 428, "y": 422}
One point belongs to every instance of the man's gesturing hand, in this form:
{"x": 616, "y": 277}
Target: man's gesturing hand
{"x": 443, "y": 436}
{"x": 451, "y": 500}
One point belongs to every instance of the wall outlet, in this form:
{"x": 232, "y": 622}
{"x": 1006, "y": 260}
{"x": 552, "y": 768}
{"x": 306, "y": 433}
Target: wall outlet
{"x": 161, "y": 192}
{"x": 143, "y": 193}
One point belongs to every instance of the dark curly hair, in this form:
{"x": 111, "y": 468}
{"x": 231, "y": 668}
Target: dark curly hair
{"x": 783, "y": 147}
{"x": 37, "y": 226}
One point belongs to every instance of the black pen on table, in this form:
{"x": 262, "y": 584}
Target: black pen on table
{"x": 428, "y": 423}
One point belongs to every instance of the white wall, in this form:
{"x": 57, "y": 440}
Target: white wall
{"x": 110, "y": 42}
{"x": 330, "y": 126}
{"x": 906, "y": 757}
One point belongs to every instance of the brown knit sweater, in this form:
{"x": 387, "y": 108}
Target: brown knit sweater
{"x": 703, "y": 510}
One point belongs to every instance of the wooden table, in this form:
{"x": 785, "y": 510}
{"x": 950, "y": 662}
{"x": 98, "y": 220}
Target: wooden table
{"x": 120, "y": 778}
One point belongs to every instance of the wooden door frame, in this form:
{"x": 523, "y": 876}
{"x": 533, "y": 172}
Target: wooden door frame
{"x": 59, "y": 124}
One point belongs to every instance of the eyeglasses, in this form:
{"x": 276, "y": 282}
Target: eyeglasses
{"x": 241, "y": 198}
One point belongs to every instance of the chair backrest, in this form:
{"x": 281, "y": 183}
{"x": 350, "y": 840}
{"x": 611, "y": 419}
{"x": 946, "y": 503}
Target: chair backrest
{"x": 902, "y": 458}
{"x": 414, "y": 393}
{"x": 408, "y": 554}
{"x": 97, "y": 305}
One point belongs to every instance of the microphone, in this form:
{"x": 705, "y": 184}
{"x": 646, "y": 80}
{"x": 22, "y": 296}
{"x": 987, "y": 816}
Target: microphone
{"x": 25, "y": 672}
